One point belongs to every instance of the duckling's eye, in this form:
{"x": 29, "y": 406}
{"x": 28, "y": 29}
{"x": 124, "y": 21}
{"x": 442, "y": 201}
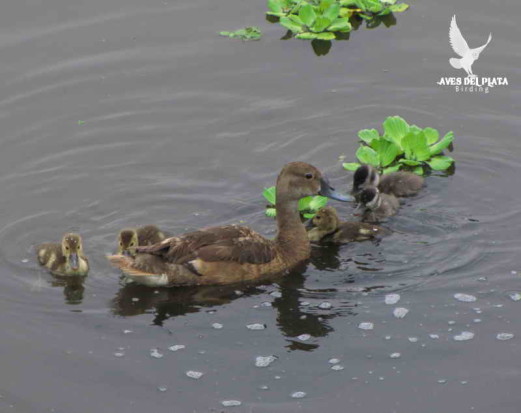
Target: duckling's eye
{"x": 132, "y": 244}
{"x": 309, "y": 175}
{"x": 317, "y": 217}
{"x": 120, "y": 244}
{"x": 67, "y": 248}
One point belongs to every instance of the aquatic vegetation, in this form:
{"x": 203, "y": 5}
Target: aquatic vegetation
{"x": 248, "y": 33}
{"x": 403, "y": 146}
{"x": 327, "y": 19}
{"x": 307, "y": 206}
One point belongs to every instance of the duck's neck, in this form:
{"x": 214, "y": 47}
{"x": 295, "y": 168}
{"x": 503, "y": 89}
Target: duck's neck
{"x": 292, "y": 238}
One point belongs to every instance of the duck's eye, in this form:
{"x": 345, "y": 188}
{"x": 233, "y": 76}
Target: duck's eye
{"x": 317, "y": 217}
{"x": 309, "y": 175}
{"x": 132, "y": 244}
{"x": 67, "y": 248}
{"x": 120, "y": 244}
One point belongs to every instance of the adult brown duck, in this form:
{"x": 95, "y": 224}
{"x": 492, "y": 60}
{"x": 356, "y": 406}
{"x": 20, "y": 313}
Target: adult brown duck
{"x": 231, "y": 254}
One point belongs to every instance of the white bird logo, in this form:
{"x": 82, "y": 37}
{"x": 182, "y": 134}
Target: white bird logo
{"x": 460, "y": 46}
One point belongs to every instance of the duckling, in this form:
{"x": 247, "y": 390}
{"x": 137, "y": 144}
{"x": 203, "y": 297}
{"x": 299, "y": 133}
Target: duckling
{"x": 66, "y": 258}
{"x": 130, "y": 238}
{"x": 231, "y": 254}
{"x": 377, "y": 205}
{"x": 399, "y": 184}
{"x": 327, "y": 227}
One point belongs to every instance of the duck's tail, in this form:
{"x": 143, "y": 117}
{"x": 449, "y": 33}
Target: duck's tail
{"x": 455, "y": 63}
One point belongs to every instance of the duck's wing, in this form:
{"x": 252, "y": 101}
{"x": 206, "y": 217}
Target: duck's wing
{"x": 458, "y": 43}
{"x": 229, "y": 243}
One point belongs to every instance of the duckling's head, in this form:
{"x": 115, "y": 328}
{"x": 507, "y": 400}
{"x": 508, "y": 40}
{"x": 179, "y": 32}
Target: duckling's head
{"x": 370, "y": 197}
{"x": 127, "y": 242}
{"x": 72, "y": 249}
{"x": 326, "y": 219}
{"x": 299, "y": 179}
{"x": 365, "y": 176}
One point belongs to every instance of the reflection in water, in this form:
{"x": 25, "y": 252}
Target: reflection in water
{"x": 295, "y": 316}
{"x": 73, "y": 288}
{"x": 165, "y": 303}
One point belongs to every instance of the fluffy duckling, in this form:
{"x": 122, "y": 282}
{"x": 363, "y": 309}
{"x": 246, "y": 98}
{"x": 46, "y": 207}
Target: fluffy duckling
{"x": 399, "y": 184}
{"x": 327, "y": 227}
{"x": 130, "y": 238}
{"x": 378, "y": 206}
{"x": 232, "y": 254}
{"x": 66, "y": 258}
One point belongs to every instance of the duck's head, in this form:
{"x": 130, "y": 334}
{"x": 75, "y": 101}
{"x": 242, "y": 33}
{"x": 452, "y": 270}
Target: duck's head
{"x": 299, "y": 179}
{"x": 326, "y": 219}
{"x": 370, "y": 197}
{"x": 365, "y": 176}
{"x": 127, "y": 242}
{"x": 72, "y": 249}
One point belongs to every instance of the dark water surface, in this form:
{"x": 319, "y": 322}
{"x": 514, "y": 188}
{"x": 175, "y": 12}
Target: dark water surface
{"x": 125, "y": 112}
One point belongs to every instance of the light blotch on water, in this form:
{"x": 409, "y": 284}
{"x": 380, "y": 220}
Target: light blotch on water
{"x": 304, "y": 337}
{"x": 504, "y": 336}
{"x": 333, "y": 361}
{"x": 400, "y": 312}
{"x": 217, "y": 326}
{"x": 465, "y": 298}
{"x": 464, "y": 336}
{"x": 337, "y": 367}
{"x": 392, "y": 299}
{"x": 176, "y": 347}
{"x": 155, "y": 353}
{"x": 413, "y": 339}
{"x": 515, "y": 296}
{"x": 264, "y": 361}
{"x": 325, "y": 305}
{"x": 395, "y": 355}
{"x": 298, "y": 395}
{"x": 256, "y": 326}
{"x": 194, "y": 374}
{"x": 231, "y": 403}
{"x": 366, "y": 325}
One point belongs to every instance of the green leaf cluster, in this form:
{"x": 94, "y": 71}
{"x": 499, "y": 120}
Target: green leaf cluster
{"x": 403, "y": 146}
{"x": 367, "y": 9}
{"x": 307, "y": 206}
{"x": 248, "y": 33}
{"x": 327, "y": 19}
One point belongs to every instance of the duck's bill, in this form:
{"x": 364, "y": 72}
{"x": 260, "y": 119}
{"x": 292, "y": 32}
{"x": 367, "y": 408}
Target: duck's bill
{"x": 74, "y": 261}
{"x": 327, "y": 190}
{"x": 309, "y": 224}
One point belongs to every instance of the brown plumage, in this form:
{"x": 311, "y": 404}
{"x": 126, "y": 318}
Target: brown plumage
{"x": 328, "y": 228}
{"x": 130, "y": 238}
{"x": 66, "y": 258}
{"x": 399, "y": 184}
{"x": 232, "y": 253}
{"x": 377, "y": 206}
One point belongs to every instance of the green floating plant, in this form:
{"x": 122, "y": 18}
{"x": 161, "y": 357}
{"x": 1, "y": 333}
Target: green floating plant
{"x": 327, "y": 19}
{"x": 248, "y": 33}
{"x": 367, "y": 9}
{"x": 403, "y": 146}
{"x": 307, "y": 206}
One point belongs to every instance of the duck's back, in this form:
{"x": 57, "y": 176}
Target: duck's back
{"x": 227, "y": 243}
{"x": 401, "y": 184}
{"x": 50, "y": 255}
{"x": 149, "y": 234}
